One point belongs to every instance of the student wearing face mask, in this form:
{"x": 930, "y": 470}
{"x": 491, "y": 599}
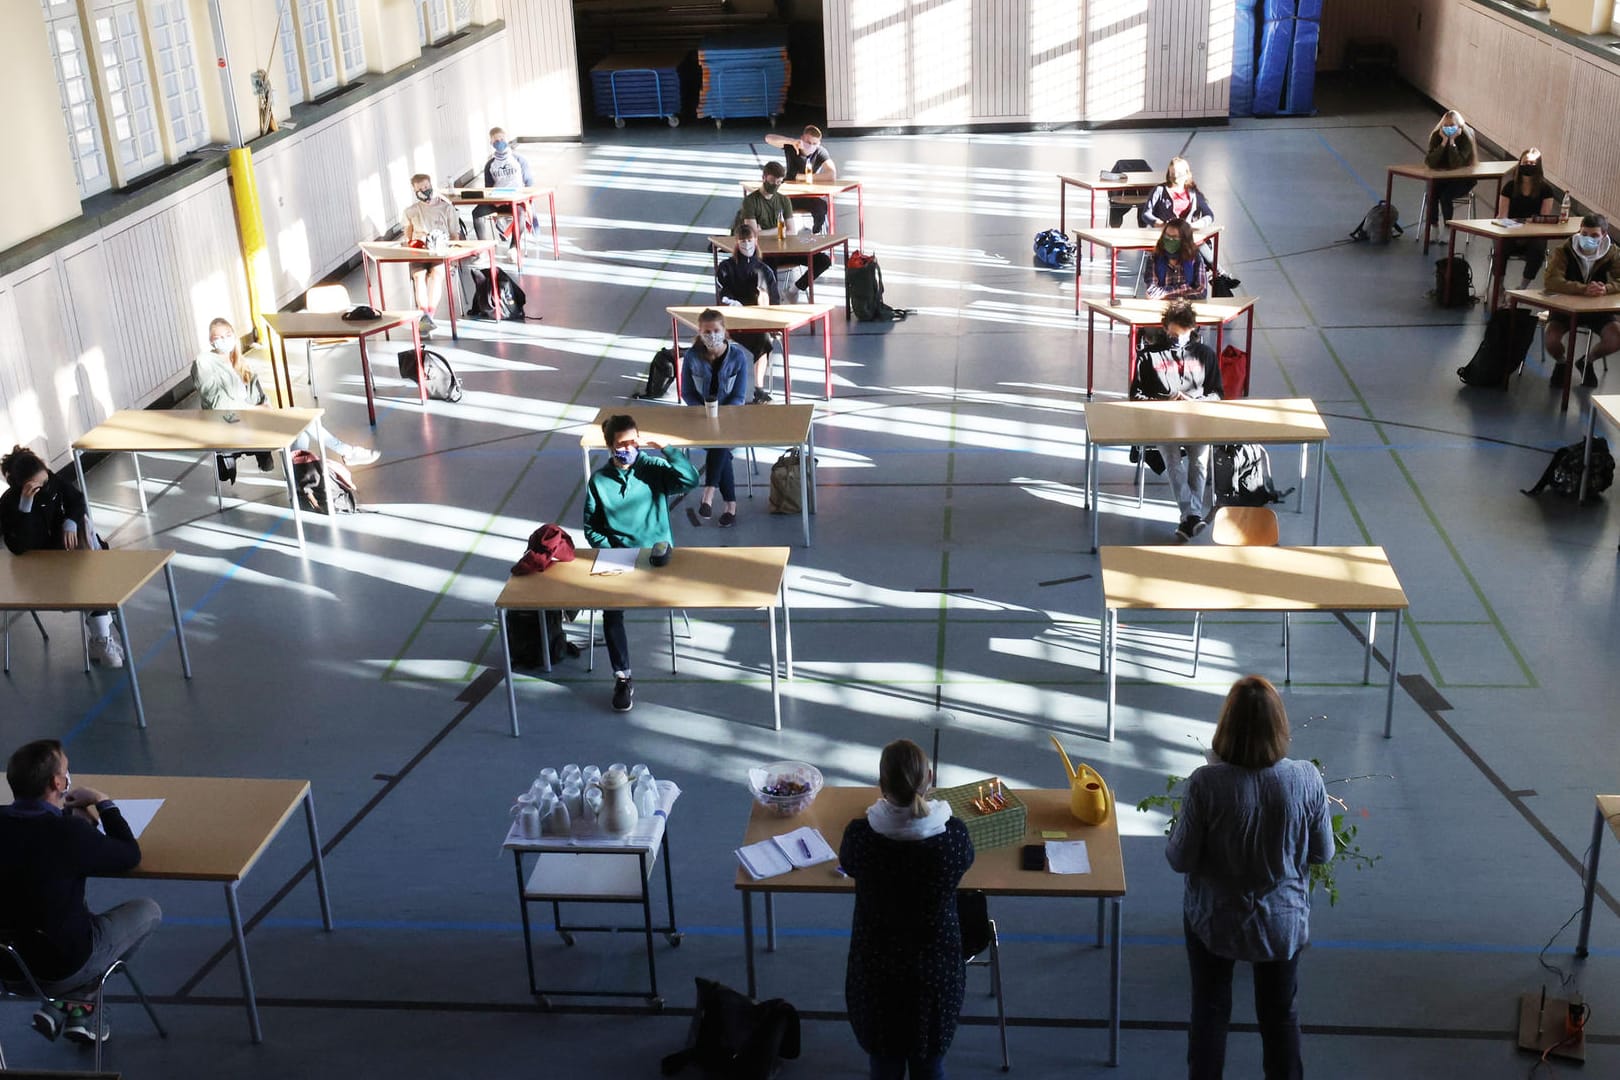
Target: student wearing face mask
{"x": 806, "y": 154}
{"x": 506, "y": 168}
{"x": 745, "y": 281}
{"x": 1451, "y": 146}
{"x": 224, "y": 381}
{"x": 1180, "y": 197}
{"x": 430, "y": 212}
{"x": 627, "y": 506}
{"x": 42, "y": 511}
{"x": 1174, "y": 267}
{"x": 1181, "y": 368}
{"x": 1586, "y": 266}
{"x": 1526, "y": 196}
{"x": 715, "y": 369}
{"x": 765, "y": 208}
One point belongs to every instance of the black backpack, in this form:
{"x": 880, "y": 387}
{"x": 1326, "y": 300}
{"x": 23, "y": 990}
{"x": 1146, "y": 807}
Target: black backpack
{"x": 1508, "y": 337}
{"x": 1243, "y": 476}
{"x": 523, "y": 632}
{"x": 1380, "y": 225}
{"x": 660, "y": 374}
{"x": 310, "y": 482}
{"x": 1054, "y": 249}
{"x": 443, "y": 384}
{"x": 863, "y": 279}
{"x": 1460, "y": 292}
{"x": 732, "y": 1038}
{"x": 1563, "y": 472}
{"x": 512, "y": 296}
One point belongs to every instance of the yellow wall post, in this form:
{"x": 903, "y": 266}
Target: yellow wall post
{"x": 250, "y": 230}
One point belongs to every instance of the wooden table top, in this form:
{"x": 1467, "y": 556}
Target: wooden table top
{"x": 76, "y": 580}
{"x": 1097, "y": 183}
{"x": 496, "y": 196}
{"x": 1608, "y": 405}
{"x": 791, "y": 188}
{"x": 1130, "y": 239}
{"x": 157, "y": 430}
{"x": 459, "y": 249}
{"x": 1216, "y": 578}
{"x": 996, "y": 871}
{"x": 1478, "y": 170}
{"x": 1143, "y": 312}
{"x": 209, "y": 828}
{"x": 793, "y": 245}
{"x": 758, "y": 317}
{"x": 694, "y": 577}
{"x": 1525, "y": 230}
{"x": 1609, "y": 807}
{"x": 689, "y": 425}
{"x": 1241, "y": 420}
{"x": 1569, "y": 303}
{"x": 332, "y": 324}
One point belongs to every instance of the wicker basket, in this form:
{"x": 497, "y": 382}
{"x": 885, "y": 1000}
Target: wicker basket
{"x": 988, "y": 831}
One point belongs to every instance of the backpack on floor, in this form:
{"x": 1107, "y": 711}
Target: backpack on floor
{"x": 863, "y": 278}
{"x": 1054, "y": 249}
{"x": 1508, "y": 337}
{"x": 785, "y": 483}
{"x": 734, "y": 1038}
{"x": 443, "y": 384}
{"x": 1563, "y": 472}
{"x": 524, "y": 634}
{"x": 1381, "y": 225}
{"x": 660, "y": 374}
{"x": 1234, "y": 372}
{"x": 313, "y": 490}
{"x": 1461, "y": 277}
{"x": 1243, "y": 476}
{"x": 512, "y": 296}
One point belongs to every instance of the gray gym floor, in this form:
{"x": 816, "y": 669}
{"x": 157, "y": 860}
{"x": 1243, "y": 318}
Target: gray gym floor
{"x": 953, "y": 437}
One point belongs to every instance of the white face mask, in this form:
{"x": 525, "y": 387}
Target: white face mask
{"x": 224, "y": 346}
{"x": 714, "y": 339}
{"x": 1183, "y": 337}
{"x": 747, "y": 247}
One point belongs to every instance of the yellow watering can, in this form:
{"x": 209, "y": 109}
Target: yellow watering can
{"x": 1089, "y": 798}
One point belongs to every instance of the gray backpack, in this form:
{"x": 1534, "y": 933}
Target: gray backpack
{"x": 1381, "y": 225}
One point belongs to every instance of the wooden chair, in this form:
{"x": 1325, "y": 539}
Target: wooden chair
{"x": 1246, "y": 526}
{"x": 323, "y": 299}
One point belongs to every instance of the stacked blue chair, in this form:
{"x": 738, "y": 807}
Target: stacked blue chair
{"x": 628, "y": 85}
{"x": 744, "y": 74}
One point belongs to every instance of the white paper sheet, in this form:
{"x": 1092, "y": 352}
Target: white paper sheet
{"x": 139, "y": 813}
{"x": 1067, "y": 857}
{"x": 615, "y": 560}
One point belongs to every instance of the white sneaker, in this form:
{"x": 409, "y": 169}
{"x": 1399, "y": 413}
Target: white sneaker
{"x": 360, "y": 455}
{"x": 107, "y": 652}
{"x": 793, "y": 295}
{"x": 426, "y": 324}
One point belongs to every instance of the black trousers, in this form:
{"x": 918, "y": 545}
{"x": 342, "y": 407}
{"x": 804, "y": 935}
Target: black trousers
{"x": 1275, "y": 985}
{"x": 820, "y": 262}
{"x": 618, "y": 642}
{"x": 815, "y": 206}
{"x": 1446, "y": 193}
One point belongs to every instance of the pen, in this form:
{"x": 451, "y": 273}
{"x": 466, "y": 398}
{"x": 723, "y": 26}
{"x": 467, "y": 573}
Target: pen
{"x": 805, "y": 846}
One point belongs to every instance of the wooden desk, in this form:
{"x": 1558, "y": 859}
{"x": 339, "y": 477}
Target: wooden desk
{"x": 793, "y": 249}
{"x": 1117, "y": 240}
{"x": 736, "y": 425}
{"x": 731, "y": 578}
{"x": 89, "y": 581}
{"x": 1480, "y": 170}
{"x": 158, "y": 431}
{"x": 214, "y": 829}
{"x": 1607, "y": 813}
{"x": 995, "y": 872}
{"x": 824, "y": 189}
{"x": 1277, "y": 421}
{"x": 519, "y": 199}
{"x": 314, "y": 326}
{"x": 1091, "y": 184}
{"x": 1214, "y": 578}
{"x": 1609, "y": 406}
{"x": 379, "y": 253}
{"x": 1499, "y": 235}
{"x": 1138, "y": 313}
{"x": 766, "y": 318}
{"x": 1573, "y": 306}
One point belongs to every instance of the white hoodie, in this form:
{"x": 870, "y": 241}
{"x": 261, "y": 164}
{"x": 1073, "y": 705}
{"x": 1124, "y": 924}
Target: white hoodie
{"x": 1586, "y": 261}
{"x": 897, "y": 822}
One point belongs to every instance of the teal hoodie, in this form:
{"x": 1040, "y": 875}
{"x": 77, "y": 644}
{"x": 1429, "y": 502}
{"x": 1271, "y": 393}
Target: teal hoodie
{"x": 629, "y": 508}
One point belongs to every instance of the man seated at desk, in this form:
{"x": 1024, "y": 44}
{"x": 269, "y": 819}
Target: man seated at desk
{"x": 430, "y": 218}
{"x": 766, "y": 208}
{"x": 1587, "y": 265}
{"x": 806, "y": 154}
{"x": 506, "y": 168}
{"x": 1179, "y": 367}
{"x": 627, "y": 506}
{"x": 48, "y": 845}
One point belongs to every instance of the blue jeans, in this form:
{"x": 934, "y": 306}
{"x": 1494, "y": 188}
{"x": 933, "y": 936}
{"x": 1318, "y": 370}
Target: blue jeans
{"x": 332, "y": 443}
{"x": 717, "y": 473}
{"x": 929, "y": 1068}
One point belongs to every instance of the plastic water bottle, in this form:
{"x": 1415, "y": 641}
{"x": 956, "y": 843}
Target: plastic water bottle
{"x": 1563, "y": 209}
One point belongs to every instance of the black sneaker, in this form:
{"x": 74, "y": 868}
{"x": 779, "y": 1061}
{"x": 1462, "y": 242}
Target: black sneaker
{"x": 1591, "y": 379}
{"x": 266, "y": 461}
{"x": 49, "y": 1020}
{"x": 1227, "y": 281}
{"x": 1198, "y": 524}
{"x": 624, "y": 694}
{"x": 82, "y": 1027}
{"x": 1184, "y": 531}
{"x": 1560, "y": 372}
{"x": 705, "y": 510}
{"x": 728, "y": 519}
{"x": 762, "y": 396}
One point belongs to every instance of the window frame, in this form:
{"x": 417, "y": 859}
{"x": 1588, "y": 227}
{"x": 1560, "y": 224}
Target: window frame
{"x": 62, "y": 17}
{"x": 314, "y": 19}
{"x": 186, "y": 120}
{"x": 350, "y": 45}
{"x": 121, "y": 59}
{"x": 292, "y": 62}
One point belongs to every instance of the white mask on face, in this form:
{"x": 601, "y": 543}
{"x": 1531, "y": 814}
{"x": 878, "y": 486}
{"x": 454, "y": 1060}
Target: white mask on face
{"x": 747, "y": 247}
{"x": 1182, "y": 338}
{"x": 714, "y": 339}
{"x": 224, "y": 346}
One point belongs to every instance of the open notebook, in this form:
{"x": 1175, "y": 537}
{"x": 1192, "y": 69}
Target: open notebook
{"x": 782, "y": 854}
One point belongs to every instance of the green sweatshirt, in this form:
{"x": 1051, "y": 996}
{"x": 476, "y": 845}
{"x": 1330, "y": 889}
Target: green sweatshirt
{"x": 629, "y": 508}
{"x": 766, "y": 210}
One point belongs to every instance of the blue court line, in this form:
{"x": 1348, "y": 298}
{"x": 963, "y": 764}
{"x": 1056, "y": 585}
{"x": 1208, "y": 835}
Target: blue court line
{"x": 121, "y": 688}
{"x": 1349, "y": 168}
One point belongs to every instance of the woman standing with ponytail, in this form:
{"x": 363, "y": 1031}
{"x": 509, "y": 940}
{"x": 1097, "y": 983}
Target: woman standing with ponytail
{"x": 905, "y": 979}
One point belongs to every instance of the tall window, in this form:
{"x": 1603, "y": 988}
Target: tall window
{"x": 177, "y": 73}
{"x": 131, "y": 114}
{"x": 78, "y": 92}
{"x": 433, "y": 20}
{"x": 287, "y": 46}
{"x": 315, "y": 33}
{"x": 463, "y": 14}
{"x": 351, "y": 45}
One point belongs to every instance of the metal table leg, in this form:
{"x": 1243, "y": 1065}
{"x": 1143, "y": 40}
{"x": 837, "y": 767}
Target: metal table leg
{"x": 506, "y": 667}
{"x": 129, "y": 662}
{"x": 1591, "y": 875}
{"x": 804, "y": 490}
{"x": 1394, "y": 657}
{"x": 292, "y": 496}
{"x": 319, "y": 861}
{"x": 1112, "y": 635}
{"x": 523, "y": 908}
{"x": 140, "y": 481}
{"x": 1366, "y": 661}
{"x": 1321, "y": 470}
{"x": 776, "y": 693}
{"x": 78, "y": 468}
{"x": 1591, "y": 429}
{"x": 1113, "y": 985}
{"x": 770, "y": 922}
{"x": 647, "y": 926}
{"x": 179, "y": 626}
{"x": 787, "y": 628}
{"x": 748, "y": 941}
{"x": 249, "y": 998}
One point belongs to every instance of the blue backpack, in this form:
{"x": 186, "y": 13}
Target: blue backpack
{"x": 1053, "y": 249}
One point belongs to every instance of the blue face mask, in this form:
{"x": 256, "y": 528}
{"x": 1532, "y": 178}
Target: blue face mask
{"x": 1450, "y": 130}
{"x": 626, "y": 455}
{"x": 1588, "y": 245}
{"x": 499, "y": 145}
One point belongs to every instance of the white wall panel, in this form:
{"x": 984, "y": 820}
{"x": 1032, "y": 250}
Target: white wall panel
{"x": 544, "y": 72}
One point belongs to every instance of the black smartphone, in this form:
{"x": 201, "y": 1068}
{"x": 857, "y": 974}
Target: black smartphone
{"x": 1033, "y": 857}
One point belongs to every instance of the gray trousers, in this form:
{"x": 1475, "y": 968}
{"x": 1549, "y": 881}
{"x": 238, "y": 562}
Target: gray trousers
{"x": 114, "y": 935}
{"x": 1189, "y": 477}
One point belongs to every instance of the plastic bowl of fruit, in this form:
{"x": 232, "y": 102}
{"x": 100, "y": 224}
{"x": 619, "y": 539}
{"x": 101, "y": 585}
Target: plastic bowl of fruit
{"x": 787, "y": 787}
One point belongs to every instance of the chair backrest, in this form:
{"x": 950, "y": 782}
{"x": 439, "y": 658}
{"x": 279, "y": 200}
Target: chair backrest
{"x": 1244, "y": 526}
{"x": 973, "y": 913}
{"x": 1131, "y": 164}
{"x": 327, "y": 298}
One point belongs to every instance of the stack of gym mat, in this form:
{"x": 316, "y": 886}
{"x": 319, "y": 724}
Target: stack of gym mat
{"x": 638, "y": 84}
{"x": 1285, "y": 67}
{"x": 744, "y": 75}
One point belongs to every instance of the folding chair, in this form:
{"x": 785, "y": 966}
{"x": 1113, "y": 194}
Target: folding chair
{"x": 84, "y": 636}
{"x": 323, "y": 299}
{"x": 982, "y": 948}
{"x": 14, "y": 973}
